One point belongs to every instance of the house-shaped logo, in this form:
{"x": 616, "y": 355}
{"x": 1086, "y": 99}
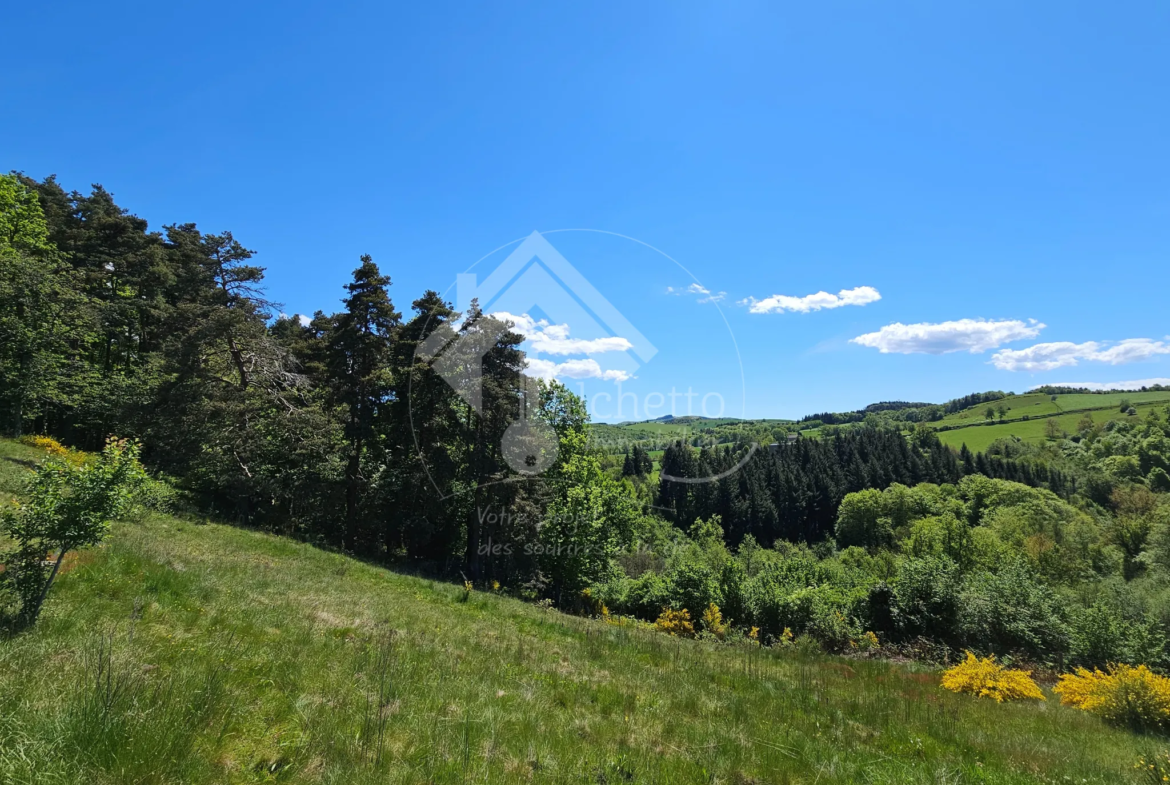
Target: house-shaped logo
{"x": 535, "y": 278}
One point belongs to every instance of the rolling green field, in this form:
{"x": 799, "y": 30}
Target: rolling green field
{"x": 980, "y": 437}
{"x": 969, "y": 426}
{"x": 186, "y": 653}
{"x": 1040, "y": 405}
{"x": 657, "y": 430}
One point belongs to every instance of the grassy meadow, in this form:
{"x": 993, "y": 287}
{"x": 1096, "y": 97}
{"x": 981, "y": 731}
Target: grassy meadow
{"x": 188, "y": 652}
{"x": 980, "y": 437}
{"x": 1041, "y": 405}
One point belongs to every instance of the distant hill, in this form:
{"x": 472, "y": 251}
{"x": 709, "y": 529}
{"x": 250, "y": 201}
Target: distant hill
{"x": 958, "y": 421}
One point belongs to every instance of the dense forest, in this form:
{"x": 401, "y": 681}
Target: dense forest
{"x": 336, "y": 430}
{"x": 333, "y": 431}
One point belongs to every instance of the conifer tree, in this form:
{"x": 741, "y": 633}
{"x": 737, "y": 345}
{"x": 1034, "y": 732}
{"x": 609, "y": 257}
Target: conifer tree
{"x": 360, "y": 350}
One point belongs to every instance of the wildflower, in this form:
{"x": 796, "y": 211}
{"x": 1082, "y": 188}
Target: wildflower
{"x": 1156, "y": 769}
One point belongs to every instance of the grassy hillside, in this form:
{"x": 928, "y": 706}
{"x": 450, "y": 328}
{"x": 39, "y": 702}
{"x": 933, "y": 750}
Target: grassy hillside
{"x": 1041, "y": 405}
{"x": 193, "y": 653}
{"x": 979, "y": 438}
{"x": 1025, "y": 418}
{"x": 1067, "y": 410}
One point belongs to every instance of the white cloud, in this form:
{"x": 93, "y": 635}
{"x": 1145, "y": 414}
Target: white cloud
{"x": 545, "y": 338}
{"x": 708, "y": 295}
{"x": 301, "y": 319}
{"x": 1132, "y": 350}
{"x": 1050, "y": 356}
{"x": 1043, "y": 356}
{"x": 1135, "y": 384}
{"x": 970, "y": 335}
{"x": 861, "y": 295}
{"x": 573, "y": 369}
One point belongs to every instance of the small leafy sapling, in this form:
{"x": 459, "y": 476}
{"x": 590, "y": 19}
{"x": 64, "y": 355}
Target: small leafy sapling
{"x": 67, "y": 506}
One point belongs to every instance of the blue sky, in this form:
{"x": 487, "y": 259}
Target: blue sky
{"x": 968, "y": 162}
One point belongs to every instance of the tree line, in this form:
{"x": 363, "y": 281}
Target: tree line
{"x": 333, "y": 429}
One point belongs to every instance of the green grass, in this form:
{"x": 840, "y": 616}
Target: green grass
{"x": 980, "y": 437}
{"x": 15, "y": 461}
{"x": 1038, "y": 405}
{"x": 207, "y": 654}
{"x": 661, "y": 430}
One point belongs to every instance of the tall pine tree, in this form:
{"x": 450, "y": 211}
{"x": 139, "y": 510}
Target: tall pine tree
{"x": 360, "y": 353}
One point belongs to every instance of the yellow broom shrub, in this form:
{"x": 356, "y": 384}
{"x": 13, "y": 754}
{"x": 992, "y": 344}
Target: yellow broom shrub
{"x": 55, "y": 449}
{"x": 713, "y": 621}
{"x": 1125, "y": 695}
{"x": 46, "y": 443}
{"x": 986, "y": 678}
{"x": 675, "y": 622}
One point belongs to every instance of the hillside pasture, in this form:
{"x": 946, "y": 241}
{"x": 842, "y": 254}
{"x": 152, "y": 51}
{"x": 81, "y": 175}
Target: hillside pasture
{"x": 979, "y": 437}
{"x": 207, "y": 654}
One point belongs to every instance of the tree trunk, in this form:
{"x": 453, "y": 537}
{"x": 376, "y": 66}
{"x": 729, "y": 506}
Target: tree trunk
{"x": 32, "y": 614}
{"x": 352, "y": 486}
{"x": 238, "y": 360}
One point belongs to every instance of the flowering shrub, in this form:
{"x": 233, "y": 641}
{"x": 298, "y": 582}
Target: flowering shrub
{"x": 986, "y": 678}
{"x": 54, "y": 448}
{"x": 1125, "y": 695}
{"x": 866, "y": 642}
{"x": 46, "y": 443}
{"x": 675, "y": 622}
{"x": 713, "y": 621}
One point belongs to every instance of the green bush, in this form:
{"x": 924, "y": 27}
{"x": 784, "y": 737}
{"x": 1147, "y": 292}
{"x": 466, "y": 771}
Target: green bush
{"x": 68, "y": 505}
{"x": 694, "y": 584}
{"x": 644, "y": 597}
{"x": 1101, "y": 634}
{"x": 926, "y": 598}
{"x": 1010, "y": 611}
{"x": 733, "y": 587}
